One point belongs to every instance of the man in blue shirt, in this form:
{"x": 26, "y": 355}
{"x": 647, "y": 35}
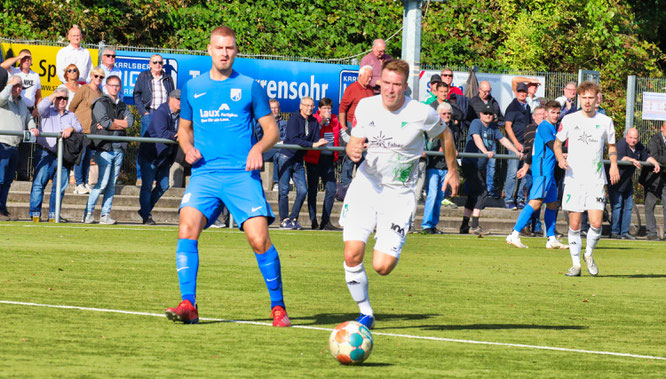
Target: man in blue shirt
{"x": 518, "y": 116}
{"x": 218, "y": 109}
{"x": 544, "y": 187}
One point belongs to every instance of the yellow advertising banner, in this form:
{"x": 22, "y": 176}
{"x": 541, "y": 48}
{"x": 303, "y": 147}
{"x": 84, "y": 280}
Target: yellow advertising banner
{"x": 43, "y": 62}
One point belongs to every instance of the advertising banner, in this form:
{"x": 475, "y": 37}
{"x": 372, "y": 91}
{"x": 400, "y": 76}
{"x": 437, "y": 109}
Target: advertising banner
{"x": 654, "y": 106}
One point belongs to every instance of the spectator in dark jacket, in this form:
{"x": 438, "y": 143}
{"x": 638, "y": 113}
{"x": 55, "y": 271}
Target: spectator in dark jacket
{"x": 151, "y": 90}
{"x": 302, "y": 130}
{"x": 156, "y": 159}
{"x": 654, "y": 181}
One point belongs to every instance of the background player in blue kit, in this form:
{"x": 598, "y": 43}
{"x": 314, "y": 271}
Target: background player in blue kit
{"x": 544, "y": 187}
{"x": 218, "y": 109}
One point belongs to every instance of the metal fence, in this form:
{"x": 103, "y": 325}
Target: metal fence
{"x": 636, "y": 86}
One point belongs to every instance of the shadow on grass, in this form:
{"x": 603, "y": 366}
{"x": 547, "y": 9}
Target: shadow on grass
{"x": 489, "y": 327}
{"x": 325, "y": 319}
{"x": 616, "y": 248}
{"x": 636, "y": 276}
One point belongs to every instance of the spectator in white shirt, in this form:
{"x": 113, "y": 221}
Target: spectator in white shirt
{"x": 73, "y": 54}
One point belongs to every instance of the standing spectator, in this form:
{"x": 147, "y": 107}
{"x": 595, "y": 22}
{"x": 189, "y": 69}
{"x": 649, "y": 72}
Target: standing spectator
{"x": 447, "y": 77}
{"x": 597, "y": 104}
{"x": 477, "y": 103}
{"x": 110, "y": 116}
{"x": 303, "y": 130}
{"x": 150, "y": 91}
{"x": 270, "y": 155}
{"x": 621, "y": 194}
{"x": 53, "y": 118}
{"x": 356, "y": 91}
{"x": 376, "y": 59}
{"x": 81, "y": 105}
{"x": 73, "y": 54}
{"x": 156, "y": 158}
{"x": 518, "y": 116}
{"x": 14, "y": 115}
{"x": 654, "y": 181}
{"x": 434, "y": 80}
{"x": 436, "y": 170}
{"x": 31, "y": 95}
{"x": 474, "y": 169}
{"x": 568, "y": 100}
{"x": 72, "y": 84}
{"x": 4, "y": 75}
{"x": 108, "y": 65}
{"x": 321, "y": 164}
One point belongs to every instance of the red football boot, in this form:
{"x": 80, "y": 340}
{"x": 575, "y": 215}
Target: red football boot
{"x": 185, "y": 312}
{"x": 280, "y": 317}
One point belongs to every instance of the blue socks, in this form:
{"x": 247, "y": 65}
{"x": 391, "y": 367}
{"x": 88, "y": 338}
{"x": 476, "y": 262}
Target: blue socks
{"x": 524, "y": 218}
{"x": 187, "y": 264}
{"x": 550, "y": 218}
{"x": 269, "y": 265}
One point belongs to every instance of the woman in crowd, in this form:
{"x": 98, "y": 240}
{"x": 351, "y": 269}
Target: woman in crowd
{"x": 71, "y": 82}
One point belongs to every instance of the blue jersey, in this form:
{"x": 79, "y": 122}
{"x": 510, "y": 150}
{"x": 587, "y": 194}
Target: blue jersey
{"x": 223, "y": 115}
{"x": 543, "y": 158}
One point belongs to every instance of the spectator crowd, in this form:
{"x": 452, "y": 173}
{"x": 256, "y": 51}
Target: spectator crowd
{"x": 89, "y": 101}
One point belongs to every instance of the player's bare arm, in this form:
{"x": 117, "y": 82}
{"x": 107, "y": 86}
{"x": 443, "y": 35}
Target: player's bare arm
{"x": 354, "y": 148}
{"x": 186, "y": 141}
{"x": 561, "y": 159}
{"x": 271, "y": 135}
{"x": 452, "y": 178}
{"x": 614, "y": 172}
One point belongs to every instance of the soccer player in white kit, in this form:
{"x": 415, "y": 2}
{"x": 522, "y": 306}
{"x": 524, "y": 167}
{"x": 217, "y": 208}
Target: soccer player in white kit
{"x": 587, "y": 131}
{"x": 381, "y": 196}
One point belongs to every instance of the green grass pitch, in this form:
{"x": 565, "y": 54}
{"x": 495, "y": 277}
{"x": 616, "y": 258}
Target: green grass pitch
{"x": 446, "y": 288}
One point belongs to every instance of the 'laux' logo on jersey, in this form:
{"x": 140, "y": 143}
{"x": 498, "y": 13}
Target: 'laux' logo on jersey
{"x": 235, "y": 94}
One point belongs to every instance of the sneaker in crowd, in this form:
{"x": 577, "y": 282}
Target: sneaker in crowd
{"x": 652, "y": 237}
{"x": 628, "y": 237}
{"x": 149, "y": 221}
{"x": 88, "y": 218}
{"x": 615, "y": 236}
{"x": 218, "y": 225}
{"x": 367, "y": 320}
{"x": 464, "y": 229}
{"x": 89, "y": 187}
{"x": 511, "y": 206}
{"x": 449, "y": 204}
{"x": 295, "y": 225}
{"x": 184, "y": 312}
{"x": 515, "y": 241}
{"x": 106, "y": 220}
{"x": 591, "y": 266}
{"x": 81, "y": 190}
{"x": 520, "y": 205}
{"x": 478, "y": 231}
{"x": 329, "y": 226}
{"x": 275, "y": 187}
{"x": 583, "y": 234}
{"x": 573, "y": 271}
{"x": 431, "y": 231}
{"x": 5, "y": 216}
{"x": 286, "y": 224}
{"x": 494, "y": 194}
{"x": 526, "y": 232}
{"x": 280, "y": 317}
{"x": 314, "y": 225}
{"x": 62, "y": 220}
{"x": 555, "y": 244}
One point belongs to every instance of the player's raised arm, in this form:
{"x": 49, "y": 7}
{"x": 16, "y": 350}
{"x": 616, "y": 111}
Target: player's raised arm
{"x": 271, "y": 135}
{"x": 186, "y": 141}
{"x": 452, "y": 178}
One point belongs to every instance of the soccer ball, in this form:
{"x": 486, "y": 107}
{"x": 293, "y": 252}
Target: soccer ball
{"x": 350, "y": 343}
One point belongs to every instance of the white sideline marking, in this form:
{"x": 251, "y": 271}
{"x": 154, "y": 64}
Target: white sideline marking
{"x": 328, "y": 330}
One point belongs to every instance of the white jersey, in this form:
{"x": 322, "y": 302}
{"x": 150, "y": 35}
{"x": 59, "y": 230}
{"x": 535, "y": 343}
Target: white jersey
{"x": 31, "y": 83}
{"x": 587, "y": 136}
{"x": 395, "y": 139}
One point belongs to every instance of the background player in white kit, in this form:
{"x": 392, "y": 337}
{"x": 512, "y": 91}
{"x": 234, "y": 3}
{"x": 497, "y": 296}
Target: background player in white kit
{"x": 587, "y": 131}
{"x": 382, "y": 193}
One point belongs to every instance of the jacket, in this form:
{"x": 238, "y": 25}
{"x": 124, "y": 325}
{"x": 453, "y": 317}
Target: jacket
{"x": 657, "y": 150}
{"x": 143, "y": 90}
{"x": 296, "y": 134}
{"x": 312, "y": 156}
{"x": 162, "y": 125}
{"x": 71, "y": 150}
{"x": 113, "y": 111}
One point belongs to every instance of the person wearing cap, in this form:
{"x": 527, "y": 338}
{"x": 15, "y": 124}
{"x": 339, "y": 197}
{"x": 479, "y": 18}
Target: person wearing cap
{"x": 518, "y": 116}
{"x": 434, "y": 79}
{"x": 156, "y": 159}
{"x": 14, "y": 115}
{"x": 477, "y": 103}
{"x": 481, "y": 132}
{"x": 54, "y": 118}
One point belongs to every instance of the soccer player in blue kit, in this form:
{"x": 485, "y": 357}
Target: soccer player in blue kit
{"x": 544, "y": 187}
{"x": 218, "y": 109}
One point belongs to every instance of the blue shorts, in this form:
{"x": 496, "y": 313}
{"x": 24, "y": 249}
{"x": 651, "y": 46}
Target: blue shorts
{"x": 240, "y": 191}
{"x": 545, "y": 188}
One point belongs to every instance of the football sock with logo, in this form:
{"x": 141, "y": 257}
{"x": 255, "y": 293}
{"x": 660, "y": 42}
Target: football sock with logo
{"x": 357, "y": 282}
{"x": 574, "y": 246}
{"x": 475, "y": 222}
{"x": 523, "y": 218}
{"x": 269, "y": 265}
{"x": 187, "y": 265}
{"x": 593, "y": 235}
{"x": 550, "y": 218}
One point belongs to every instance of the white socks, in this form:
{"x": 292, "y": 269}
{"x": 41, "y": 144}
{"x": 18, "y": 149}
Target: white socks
{"x": 357, "y": 282}
{"x": 574, "y": 246}
{"x": 593, "y": 236}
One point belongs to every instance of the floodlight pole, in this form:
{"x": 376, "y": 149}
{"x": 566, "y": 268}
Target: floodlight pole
{"x": 411, "y": 43}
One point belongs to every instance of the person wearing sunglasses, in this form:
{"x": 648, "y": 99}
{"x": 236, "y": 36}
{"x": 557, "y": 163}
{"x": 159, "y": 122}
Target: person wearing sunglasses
{"x": 151, "y": 90}
{"x": 53, "y": 118}
{"x": 74, "y": 53}
{"x": 108, "y": 66}
{"x": 72, "y": 84}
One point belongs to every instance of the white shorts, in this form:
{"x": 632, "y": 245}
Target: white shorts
{"x": 580, "y": 198}
{"x": 368, "y": 206}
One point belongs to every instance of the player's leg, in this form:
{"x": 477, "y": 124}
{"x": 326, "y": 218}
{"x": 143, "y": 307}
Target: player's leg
{"x": 523, "y": 218}
{"x": 574, "y": 242}
{"x": 357, "y": 280}
{"x": 550, "y": 219}
{"x": 595, "y": 217}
